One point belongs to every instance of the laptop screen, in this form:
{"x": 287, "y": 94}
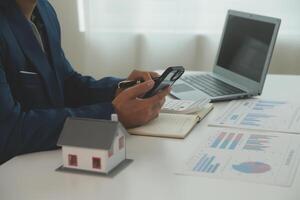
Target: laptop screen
{"x": 245, "y": 46}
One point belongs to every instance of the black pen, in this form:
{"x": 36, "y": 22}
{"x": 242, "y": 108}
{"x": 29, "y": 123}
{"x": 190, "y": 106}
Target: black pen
{"x": 129, "y": 83}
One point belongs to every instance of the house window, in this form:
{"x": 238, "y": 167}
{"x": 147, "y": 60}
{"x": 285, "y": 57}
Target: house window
{"x": 96, "y": 163}
{"x": 111, "y": 152}
{"x": 121, "y": 142}
{"x": 72, "y": 160}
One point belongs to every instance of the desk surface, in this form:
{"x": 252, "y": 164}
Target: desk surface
{"x": 150, "y": 176}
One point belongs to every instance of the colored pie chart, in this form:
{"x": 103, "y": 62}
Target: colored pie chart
{"x": 252, "y": 167}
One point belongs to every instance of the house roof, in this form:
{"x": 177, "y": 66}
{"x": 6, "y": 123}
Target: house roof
{"x": 89, "y": 133}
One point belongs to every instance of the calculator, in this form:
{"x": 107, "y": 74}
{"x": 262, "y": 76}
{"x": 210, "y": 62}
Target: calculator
{"x": 184, "y": 106}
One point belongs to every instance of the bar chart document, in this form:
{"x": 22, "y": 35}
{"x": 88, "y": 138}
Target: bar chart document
{"x": 280, "y": 116}
{"x": 267, "y": 158}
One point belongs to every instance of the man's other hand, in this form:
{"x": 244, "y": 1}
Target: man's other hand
{"x": 139, "y": 75}
{"x": 134, "y": 111}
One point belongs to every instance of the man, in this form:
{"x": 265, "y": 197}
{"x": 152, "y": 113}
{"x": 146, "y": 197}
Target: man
{"x": 39, "y": 88}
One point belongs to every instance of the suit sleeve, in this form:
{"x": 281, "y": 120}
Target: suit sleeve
{"x": 84, "y": 90}
{"x": 81, "y": 90}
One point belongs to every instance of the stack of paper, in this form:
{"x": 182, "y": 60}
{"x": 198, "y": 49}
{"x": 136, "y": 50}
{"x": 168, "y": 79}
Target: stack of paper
{"x": 255, "y": 147}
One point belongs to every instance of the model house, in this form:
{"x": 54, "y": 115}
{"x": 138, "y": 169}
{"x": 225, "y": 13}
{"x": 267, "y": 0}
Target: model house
{"x": 92, "y": 145}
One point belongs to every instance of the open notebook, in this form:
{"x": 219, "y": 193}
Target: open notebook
{"x": 172, "y": 125}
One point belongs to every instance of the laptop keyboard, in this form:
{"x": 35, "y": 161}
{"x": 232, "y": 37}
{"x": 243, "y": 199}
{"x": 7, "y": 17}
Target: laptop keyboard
{"x": 210, "y": 85}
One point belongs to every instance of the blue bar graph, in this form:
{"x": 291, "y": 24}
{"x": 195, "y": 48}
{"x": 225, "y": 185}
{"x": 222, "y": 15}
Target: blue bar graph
{"x": 258, "y": 115}
{"x": 272, "y": 102}
{"x": 218, "y": 140}
{"x": 214, "y": 169}
{"x": 255, "y": 147}
{"x": 224, "y": 140}
{"x": 200, "y": 162}
{"x": 264, "y": 105}
{"x": 258, "y": 142}
{"x": 210, "y": 168}
{"x": 205, "y": 164}
{"x": 262, "y": 138}
{"x": 236, "y": 141}
{"x": 255, "y": 119}
{"x": 234, "y": 117}
{"x": 227, "y": 141}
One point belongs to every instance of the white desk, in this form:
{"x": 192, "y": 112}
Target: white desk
{"x": 150, "y": 176}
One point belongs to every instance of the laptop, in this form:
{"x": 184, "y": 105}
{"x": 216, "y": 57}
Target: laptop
{"x": 241, "y": 64}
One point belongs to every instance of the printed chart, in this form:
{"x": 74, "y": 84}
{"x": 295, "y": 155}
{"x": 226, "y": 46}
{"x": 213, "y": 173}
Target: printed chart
{"x": 279, "y": 116}
{"x": 252, "y": 167}
{"x": 205, "y": 164}
{"x": 269, "y": 158}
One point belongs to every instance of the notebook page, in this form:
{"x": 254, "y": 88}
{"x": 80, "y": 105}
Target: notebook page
{"x": 167, "y": 125}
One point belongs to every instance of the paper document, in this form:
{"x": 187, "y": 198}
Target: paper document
{"x": 268, "y": 158}
{"x": 280, "y": 116}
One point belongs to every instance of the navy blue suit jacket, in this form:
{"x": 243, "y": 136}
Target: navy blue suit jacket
{"x": 34, "y": 106}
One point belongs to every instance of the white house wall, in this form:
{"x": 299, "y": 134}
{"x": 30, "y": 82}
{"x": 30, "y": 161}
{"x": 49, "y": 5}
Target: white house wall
{"x": 116, "y": 159}
{"x": 119, "y": 155}
{"x": 84, "y": 158}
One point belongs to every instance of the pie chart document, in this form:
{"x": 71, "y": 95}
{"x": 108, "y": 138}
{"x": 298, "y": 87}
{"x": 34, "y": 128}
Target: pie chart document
{"x": 245, "y": 155}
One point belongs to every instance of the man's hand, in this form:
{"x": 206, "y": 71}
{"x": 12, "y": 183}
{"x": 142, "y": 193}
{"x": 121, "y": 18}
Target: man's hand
{"x": 139, "y": 75}
{"x": 132, "y": 110}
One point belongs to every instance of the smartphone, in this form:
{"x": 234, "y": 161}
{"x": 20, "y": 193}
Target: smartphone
{"x": 168, "y": 78}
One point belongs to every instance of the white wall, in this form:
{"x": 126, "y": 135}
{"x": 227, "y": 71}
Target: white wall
{"x": 117, "y": 53}
{"x": 84, "y": 158}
